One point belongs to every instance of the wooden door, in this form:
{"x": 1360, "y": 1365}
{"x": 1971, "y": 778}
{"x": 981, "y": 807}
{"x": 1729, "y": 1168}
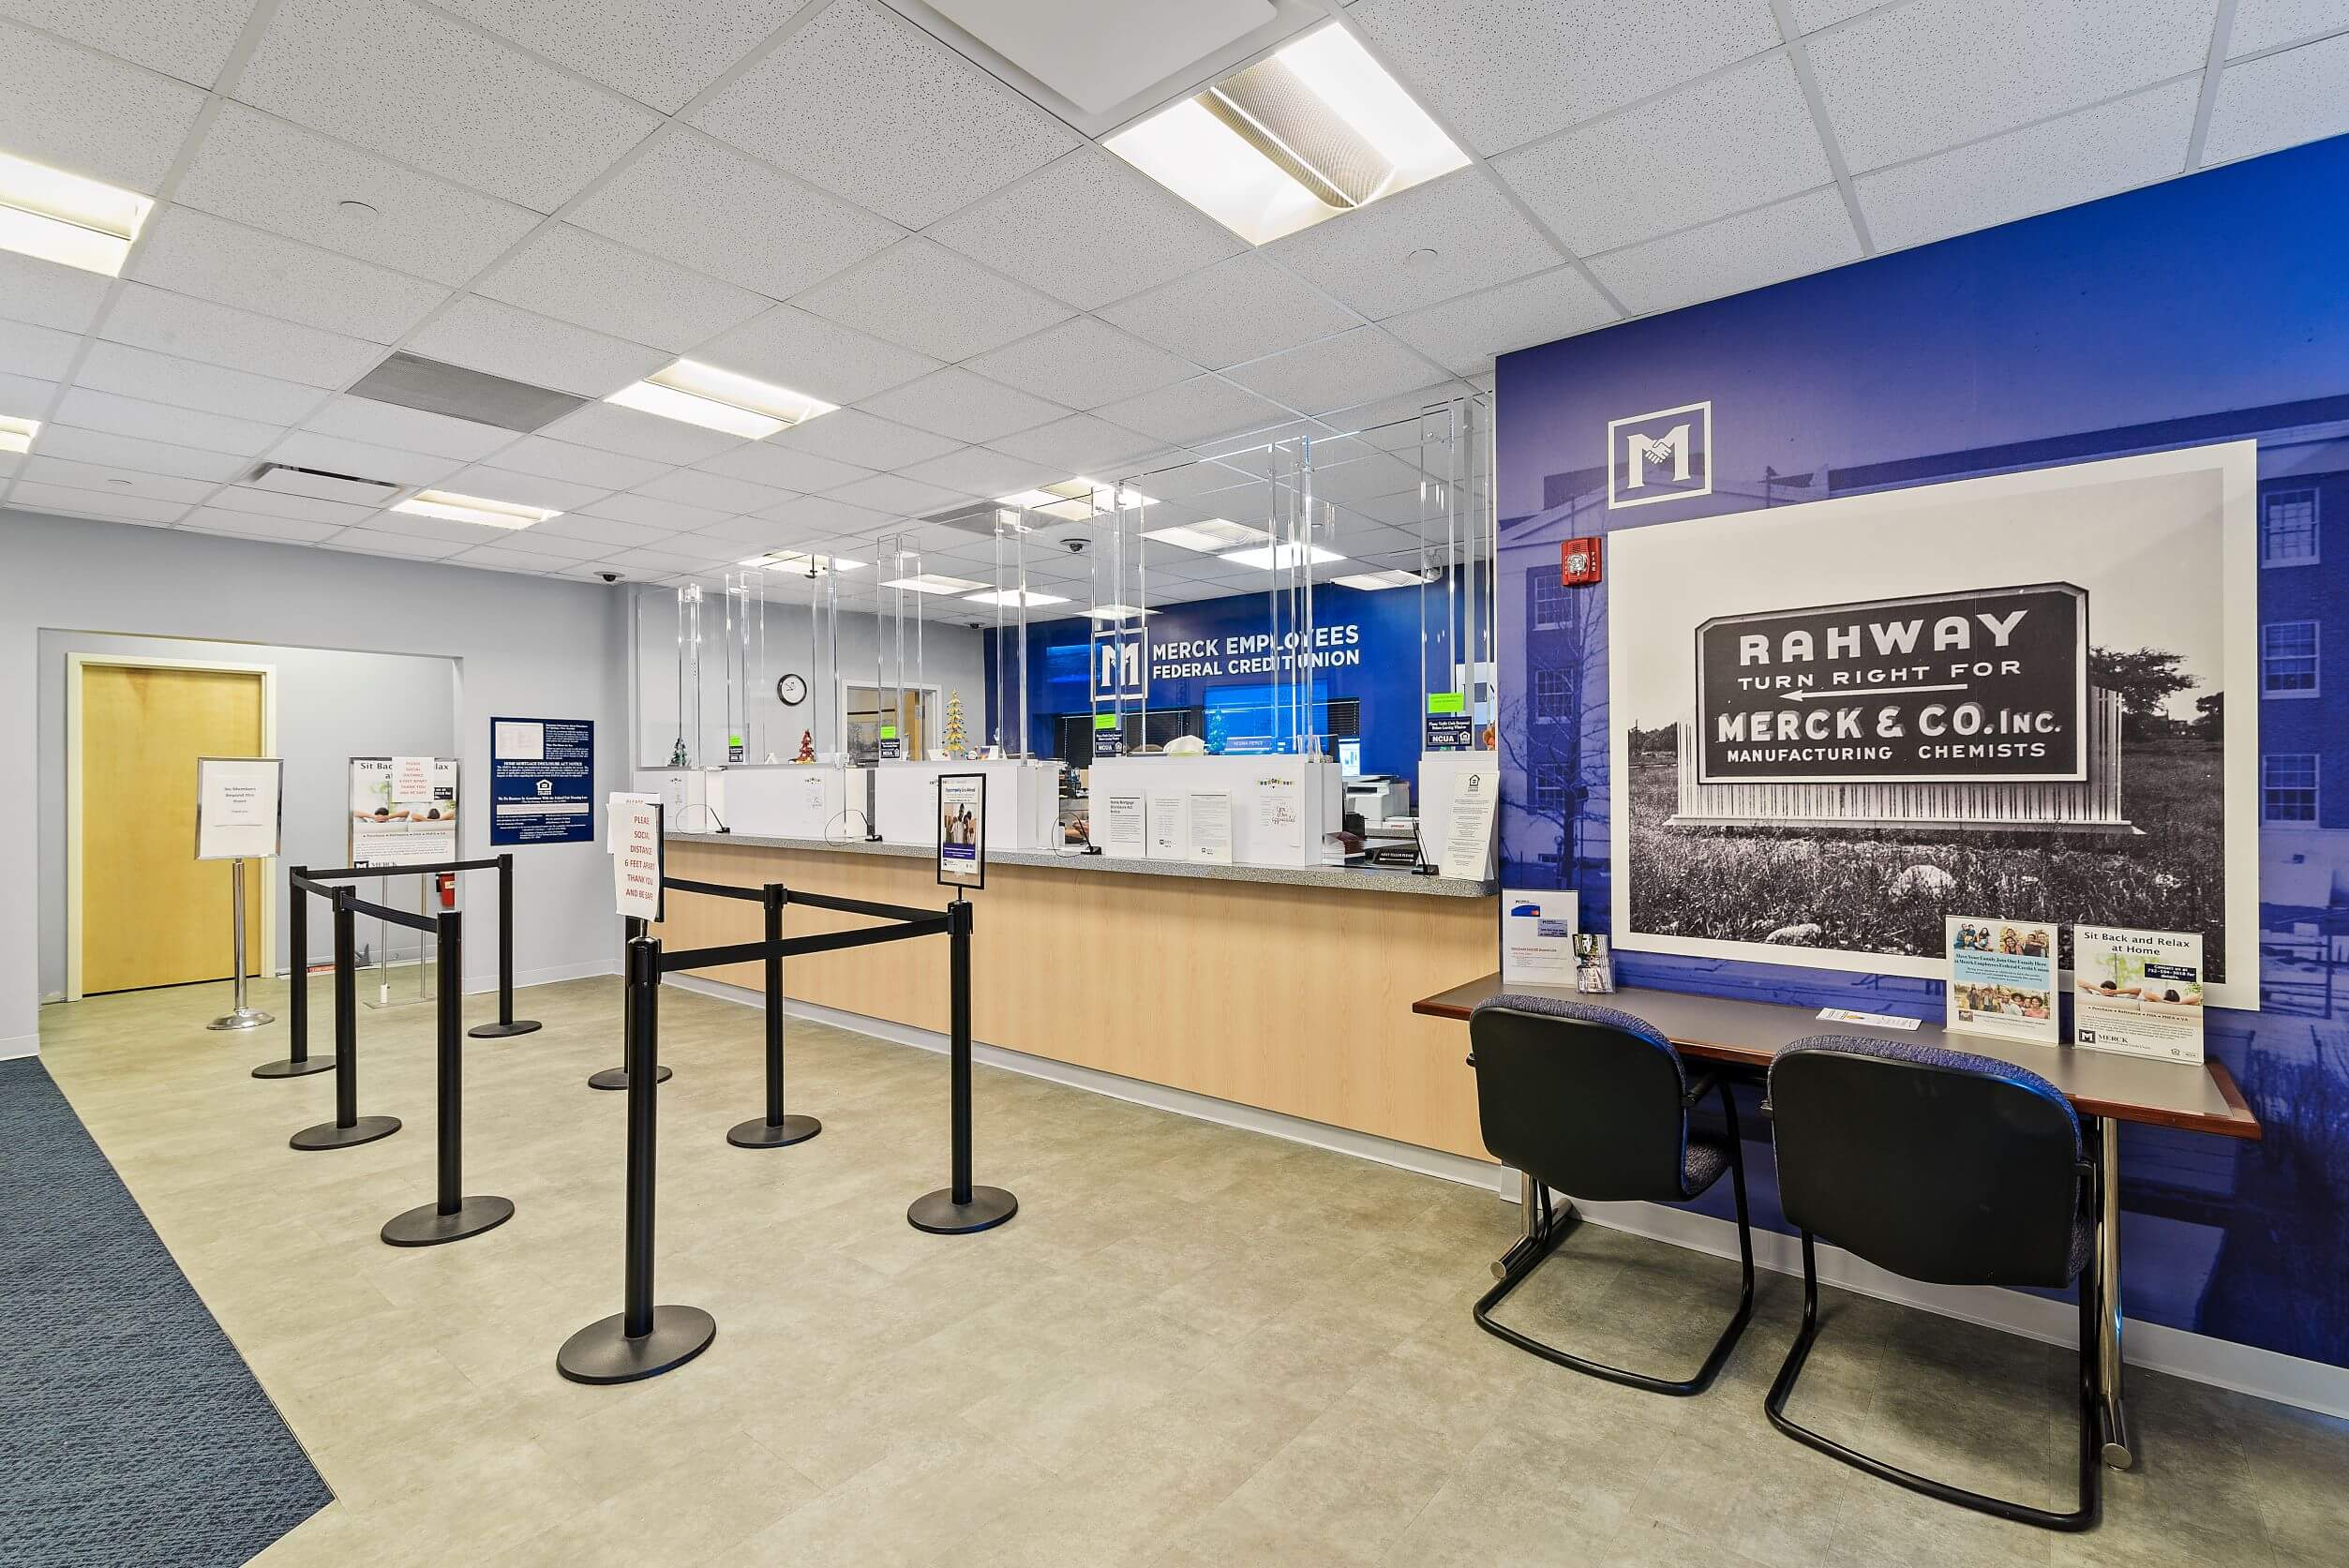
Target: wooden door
{"x": 152, "y": 914}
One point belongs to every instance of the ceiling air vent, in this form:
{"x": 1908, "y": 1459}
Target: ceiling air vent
{"x": 415, "y": 383}
{"x": 321, "y": 485}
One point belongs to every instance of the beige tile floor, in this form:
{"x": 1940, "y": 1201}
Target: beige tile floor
{"x": 1194, "y": 1347}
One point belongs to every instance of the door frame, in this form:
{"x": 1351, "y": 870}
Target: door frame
{"x": 932, "y": 694}
{"x": 75, "y": 663}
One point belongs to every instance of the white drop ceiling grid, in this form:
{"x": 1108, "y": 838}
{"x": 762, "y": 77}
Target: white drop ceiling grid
{"x": 830, "y": 195}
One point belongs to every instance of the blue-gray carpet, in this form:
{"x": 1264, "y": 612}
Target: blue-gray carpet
{"x": 130, "y": 1429}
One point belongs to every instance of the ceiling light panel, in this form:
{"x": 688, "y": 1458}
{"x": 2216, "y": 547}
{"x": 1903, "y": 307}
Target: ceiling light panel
{"x": 933, "y": 583}
{"x": 16, "y": 435}
{"x": 1210, "y": 536}
{"x": 1373, "y": 581}
{"x": 1014, "y": 596}
{"x": 717, "y": 399}
{"x": 56, "y": 217}
{"x": 1282, "y": 555}
{"x": 452, "y": 507}
{"x": 800, "y": 563}
{"x": 1313, "y": 131}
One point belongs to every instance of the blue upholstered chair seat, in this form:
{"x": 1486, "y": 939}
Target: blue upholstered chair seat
{"x": 1707, "y": 1156}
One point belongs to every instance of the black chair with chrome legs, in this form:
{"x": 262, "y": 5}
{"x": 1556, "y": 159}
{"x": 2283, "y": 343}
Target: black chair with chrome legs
{"x": 1944, "y": 1167}
{"x": 1594, "y": 1103}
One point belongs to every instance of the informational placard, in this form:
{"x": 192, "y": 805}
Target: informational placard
{"x": 2138, "y": 992}
{"x": 1169, "y": 825}
{"x": 389, "y": 833}
{"x": 240, "y": 807}
{"x": 1109, "y": 736}
{"x": 1467, "y": 851}
{"x": 893, "y": 746}
{"x": 1280, "y": 823}
{"x": 1208, "y": 818}
{"x": 638, "y": 848}
{"x": 2003, "y": 978}
{"x": 1874, "y": 1019}
{"x": 962, "y": 830}
{"x": 411, "y": 780}
{"x": 542, "y": 780}
{"x": 1985, "y": 685}
{"x": 1449, "y": 728}
{"x": 1538, "y": 936}
{"x": 1121, "y": 823}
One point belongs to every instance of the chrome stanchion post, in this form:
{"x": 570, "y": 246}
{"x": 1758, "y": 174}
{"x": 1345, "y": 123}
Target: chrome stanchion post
{"x": 507, "y": 1023}
{"x": 239, "y": 1016}
{"x": 641, "y": 1340}
{"x": 960, "y": 1207}
{"x": 348, "y": 1128}
{"x": 617, "y": 1078}
{"x": 451, "y": 1216}
{"x": 775, "y": 1131}
{"x": 298, "y": 1061}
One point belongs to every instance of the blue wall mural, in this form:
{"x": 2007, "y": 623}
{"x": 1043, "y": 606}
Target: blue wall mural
{"x": 2207, "y": 309}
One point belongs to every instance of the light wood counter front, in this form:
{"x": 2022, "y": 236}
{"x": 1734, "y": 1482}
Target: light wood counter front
{"x": 1295, "y": 999}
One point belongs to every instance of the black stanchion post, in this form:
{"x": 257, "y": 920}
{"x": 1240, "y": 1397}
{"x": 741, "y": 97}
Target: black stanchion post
{"x": 507, "y": 1023}
{"x": 617, "y": 1078}
{"x": 451, "y": 1216}
{"x": 960, "y": 1207}
{"x": 641, "y": 1340}
{"x": 349, "y": 1126}
{"x": 775, "y": 1131}
{"x": 298, "y": 1062}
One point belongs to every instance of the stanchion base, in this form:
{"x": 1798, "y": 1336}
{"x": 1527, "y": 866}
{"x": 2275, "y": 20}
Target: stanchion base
{"x": 501, "y": 1031}
{"x": 941, "y": 1215}
{"x": 426, "y": 1226}
{"x": 241, "y": 1018}
{"x": 617, "y": 1078}
{"x": 601, "y": 1353}
{"x": 326, "y": 1135}
{"x": 289, "y": 1067}
{"x": 756, "y": 1134}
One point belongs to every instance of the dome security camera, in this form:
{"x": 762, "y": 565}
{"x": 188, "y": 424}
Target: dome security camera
{"x": 609, "y": 577}
{"x": 1076, "y": 546}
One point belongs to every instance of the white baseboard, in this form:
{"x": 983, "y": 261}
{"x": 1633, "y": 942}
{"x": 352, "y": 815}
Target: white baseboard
{"x": 14, "y": 1046}
{"x": 476, "y": 984}
{"x": 2222, "y": 1362}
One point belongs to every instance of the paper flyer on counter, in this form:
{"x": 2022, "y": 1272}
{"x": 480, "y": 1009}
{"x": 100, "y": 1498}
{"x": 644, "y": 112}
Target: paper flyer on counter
{"x": 1209, "y": 817}
{"x": 2003, "y": 978}
{"x": 1121, "y": 825}
{"x": 2138, "y": 992}
{"x": 1537, "y": 937}
{"x": 1169, "y": 824}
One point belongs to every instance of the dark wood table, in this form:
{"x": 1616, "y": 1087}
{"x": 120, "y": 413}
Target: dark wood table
{"x": 2105, "y": 1088}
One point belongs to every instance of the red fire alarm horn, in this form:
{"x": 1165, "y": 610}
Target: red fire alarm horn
{"x": 1579, "y": 561}
{"x": 448, "y": 890}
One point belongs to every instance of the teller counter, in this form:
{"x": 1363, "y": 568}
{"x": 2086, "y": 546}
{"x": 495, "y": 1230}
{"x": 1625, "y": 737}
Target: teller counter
{"x": 1285, "y": 989}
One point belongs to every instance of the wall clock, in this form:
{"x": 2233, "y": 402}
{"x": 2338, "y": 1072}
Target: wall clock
{"x": 792, "y": 690}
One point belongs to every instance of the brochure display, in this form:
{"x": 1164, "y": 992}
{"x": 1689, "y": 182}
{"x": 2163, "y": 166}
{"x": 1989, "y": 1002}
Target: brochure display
{"x": 239, "y": 809}
{"x": 2003, "y": 978}
{"x": 1538, "y": 945}
{"x": 1467, "y": 830}
{"x": 402, "y": 817}
{"x": 542, "y": 780}
{"x": 962, "y": 831}
{"x": 2139, "y": 993}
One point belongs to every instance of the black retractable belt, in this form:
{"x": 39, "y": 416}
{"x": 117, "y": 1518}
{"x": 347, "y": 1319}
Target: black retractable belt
{"x": 775, "y": 1131}
{"x": 451, "y": 1216}
{"x": 348, "y": 1128}
{"x": 507, "y": 1023}
{"x": 298, "y": 1062}
{"x": 960, "y": 1207}
{"x": 617, "y": 1078}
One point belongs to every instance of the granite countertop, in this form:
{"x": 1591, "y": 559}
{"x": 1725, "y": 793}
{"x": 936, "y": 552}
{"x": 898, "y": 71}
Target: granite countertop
{"x": 1375, "y": 879}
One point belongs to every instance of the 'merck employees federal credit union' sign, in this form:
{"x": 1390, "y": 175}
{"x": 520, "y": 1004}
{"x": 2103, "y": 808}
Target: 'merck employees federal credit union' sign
{"x": 1985, "y": 685}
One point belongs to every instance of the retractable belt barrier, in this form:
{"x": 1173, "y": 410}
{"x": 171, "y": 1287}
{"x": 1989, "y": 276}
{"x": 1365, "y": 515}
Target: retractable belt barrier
{"x": 349, "y": 1127}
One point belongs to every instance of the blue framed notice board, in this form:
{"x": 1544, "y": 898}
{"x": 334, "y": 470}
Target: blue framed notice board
{"x": 542, "y": 780}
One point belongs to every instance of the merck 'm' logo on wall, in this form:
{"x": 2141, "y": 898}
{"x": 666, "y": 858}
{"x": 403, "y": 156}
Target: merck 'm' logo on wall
{"x": 1664, "y": 455}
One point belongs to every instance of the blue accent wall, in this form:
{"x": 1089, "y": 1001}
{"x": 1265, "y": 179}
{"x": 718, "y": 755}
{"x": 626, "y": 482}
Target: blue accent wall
{"x": 2210, "y": 309}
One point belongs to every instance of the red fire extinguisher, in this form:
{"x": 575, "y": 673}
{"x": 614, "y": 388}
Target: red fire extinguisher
{"x": 448, "y": 890}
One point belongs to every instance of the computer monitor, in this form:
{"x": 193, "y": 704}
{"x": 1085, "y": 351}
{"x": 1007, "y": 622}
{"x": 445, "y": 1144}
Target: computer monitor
{"x": 1350, "y": 758}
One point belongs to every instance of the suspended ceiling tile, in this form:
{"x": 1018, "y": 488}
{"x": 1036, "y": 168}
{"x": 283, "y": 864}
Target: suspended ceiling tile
{"x": 563, "y": 547}
{"x": 581, "y": 464}
{"x": 639, "y": 435}
{"x": 384, "y": 541}
{"x": 170, "y": 324}
{"x": 2054, "y": 164}
{"x": 650, "y": 513}
{"x": 284, "y": 504}
{"x": 706, "y": 206}
{"x": 1362, "y": 257}
{"x": 807, "y": 353}
{"x": 2266, "y": 23}
{"x": 1335, "y": 372}
{"x": 190, "y": 39}
{"x": 1464, "y": 335}
{"x": 1078, "y": 444}
{"x": 1196, "y": 411}
{"x": 274, "y": 176}
{"x": 852, "y": 436}
{"x": 1081, "y": 364}
{"x": 898, "y": 496}
{"x": 785, "y": 467}
{"x": 717, "y": 491}
{"x": 1732, "y": 142}
{"x": 590, "y": 527}
{"x": 969, "y": 407}
{"x": 658, "y": 54}
{"x": 411, "y": 84}
{"x": 874, "y": 109}
{"x": 411, "y": 526}
{"x": 823, "y": 515}
{"x": 923, "y": 296}
{"x": 505, "y": 557}
{"x": 410, "y": 430}
{"x": 587, "y": 280}
{"x": 1087, "y": 229}
{"x": 309, "y": 449}
{"x": 492, "y": 483}
{"x": 2280, "y": 100}
{"x": 93, "y": 410}
{"x": 1240, "y": 310}
{"x": 980, "y": 470}
{"x": 1810, "y": 234}
{"x": 192, "y": 384}
{"x": 191, "y": 252}
{"x": 43, "y": 293}
{"x": 120, "y": 505}
{"x": 1503, "y": 72}
{"x": 24, "y": 396}
{"x": 64, "y": 106}
{"x": 483, "y": 335}
{"x": 43, "y": 353}
{"x": 1915, "y": 79}
{"x": 108, "y": 480}
{"x": 253, "y": 525}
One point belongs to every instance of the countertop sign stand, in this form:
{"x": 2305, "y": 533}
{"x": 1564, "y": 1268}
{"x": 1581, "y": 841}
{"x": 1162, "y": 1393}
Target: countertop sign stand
{"x": 239, "y": 809}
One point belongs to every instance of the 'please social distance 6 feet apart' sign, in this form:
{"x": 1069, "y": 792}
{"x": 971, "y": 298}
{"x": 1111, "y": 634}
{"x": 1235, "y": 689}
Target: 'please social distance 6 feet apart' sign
{"x": 1983, "y": 685}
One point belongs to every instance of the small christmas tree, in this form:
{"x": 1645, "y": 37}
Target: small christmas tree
{"x": 957, "y": 735}
{"x": 807, "y": 747}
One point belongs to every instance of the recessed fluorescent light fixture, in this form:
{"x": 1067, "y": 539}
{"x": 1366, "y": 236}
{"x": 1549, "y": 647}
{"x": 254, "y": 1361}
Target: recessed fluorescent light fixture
{"x": 1212, "y": 536}
{"x": 717, "y": 399}
{"x": 1391, "y": 577}
{"x": 1011, "y": 596}
{"x": 16, "y": 435}
{"x": 1117, "y": 612}
{"x": 1074, "y": 499}
{"x": 472, "y": 509}
{"x": 932, "y": 583}
{"x": 1313, "y": 131}
{"x": 800, "y": 562}
{"x": 64, "y": 219}
{"x": 1279, "y": 555}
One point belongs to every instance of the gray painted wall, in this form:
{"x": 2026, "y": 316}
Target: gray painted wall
{"x": 528, "y": 646}
{"x": 332, "y": 706}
